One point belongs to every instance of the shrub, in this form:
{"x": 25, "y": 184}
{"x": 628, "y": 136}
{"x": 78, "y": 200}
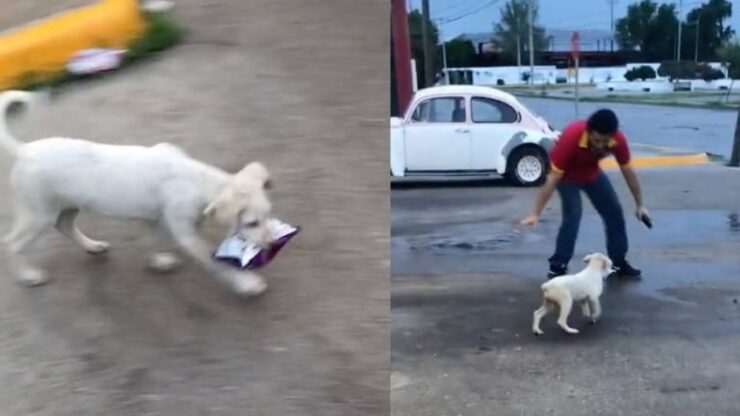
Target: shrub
{"x": 641, "y": 72}
{"x": 677, "y": 70}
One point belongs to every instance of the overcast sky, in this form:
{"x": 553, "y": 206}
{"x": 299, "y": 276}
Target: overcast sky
{"x": 560, "y": 14}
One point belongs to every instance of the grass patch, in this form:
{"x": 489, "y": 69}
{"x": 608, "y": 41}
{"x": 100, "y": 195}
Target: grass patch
{"x": 161, "y": 34}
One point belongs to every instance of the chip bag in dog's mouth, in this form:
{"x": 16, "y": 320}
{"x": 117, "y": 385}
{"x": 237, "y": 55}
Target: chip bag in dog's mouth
{"x": 245, "y": 254}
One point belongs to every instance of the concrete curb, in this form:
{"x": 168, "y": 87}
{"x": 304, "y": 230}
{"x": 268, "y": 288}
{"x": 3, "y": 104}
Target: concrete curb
{"x": 42, "y": 49}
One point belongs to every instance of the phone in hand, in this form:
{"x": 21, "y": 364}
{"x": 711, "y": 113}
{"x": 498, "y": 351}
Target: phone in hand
{"x": 646, "y": 220}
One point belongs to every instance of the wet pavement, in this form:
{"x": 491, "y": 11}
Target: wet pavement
{"x": 675, "y": 127}
{"x": 466, "y": 281}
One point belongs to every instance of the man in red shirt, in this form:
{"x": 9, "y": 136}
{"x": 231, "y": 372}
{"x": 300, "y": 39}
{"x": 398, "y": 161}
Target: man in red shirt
{"x": 575, "y": 168}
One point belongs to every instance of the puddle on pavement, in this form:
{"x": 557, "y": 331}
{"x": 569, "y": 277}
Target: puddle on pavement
{"x": 503, "y": 248}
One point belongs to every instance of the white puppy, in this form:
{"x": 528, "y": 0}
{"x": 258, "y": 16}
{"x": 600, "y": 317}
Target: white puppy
{"x": 584, "y": 287}
{"x": 53, "y": 179}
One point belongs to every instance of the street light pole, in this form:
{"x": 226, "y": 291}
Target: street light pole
{"x": 696, "y": 41}
{"x": 446, "y": 73}
{"x": 678, "y": 51}
{"x": 530, "y": 13}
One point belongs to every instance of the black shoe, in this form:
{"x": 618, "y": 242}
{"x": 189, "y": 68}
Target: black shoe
{"x": 557, "y": 270}
{"x": 626, "y": 270}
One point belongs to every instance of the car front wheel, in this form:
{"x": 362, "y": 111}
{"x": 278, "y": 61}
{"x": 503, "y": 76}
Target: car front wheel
{"x": 527, "y": 167}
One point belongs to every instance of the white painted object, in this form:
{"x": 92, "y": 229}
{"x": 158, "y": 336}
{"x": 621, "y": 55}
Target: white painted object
{"x": 91, "y": 61}
{"x": 659, "y": 86}
{"x": 428, "y": 140}
{"x": 157, "y": 6}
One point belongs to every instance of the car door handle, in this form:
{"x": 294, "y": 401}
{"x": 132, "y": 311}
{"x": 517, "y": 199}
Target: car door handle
{"x": 462, "y": 130}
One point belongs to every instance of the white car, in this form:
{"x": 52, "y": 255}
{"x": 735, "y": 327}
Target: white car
{"x": 472, "y": 131}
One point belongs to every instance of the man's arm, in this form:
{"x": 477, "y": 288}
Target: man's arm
{"x": 553, "y": 179}
{"x": 631, "y": 178}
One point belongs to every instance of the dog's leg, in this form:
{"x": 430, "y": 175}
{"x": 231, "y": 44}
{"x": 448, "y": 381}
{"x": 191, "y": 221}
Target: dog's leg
{"x": 585, "y": 309}
{"x": 165, "y": 259}
{"x": 185, "y": 235}
{"x": 67, "y": 225}
{"x": 539, "y": 314}
{"x": 25, "y": 231}
{"x": 596, "y": 309}
{"x": 565, "y": 303}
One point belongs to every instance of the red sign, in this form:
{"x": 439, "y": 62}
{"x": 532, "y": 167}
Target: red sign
{"x": 575, "y": 45}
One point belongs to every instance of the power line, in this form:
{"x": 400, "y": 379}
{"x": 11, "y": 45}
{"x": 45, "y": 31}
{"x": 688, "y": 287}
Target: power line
{"x": 476, "y": 10}
{"x": 455, "y": 7}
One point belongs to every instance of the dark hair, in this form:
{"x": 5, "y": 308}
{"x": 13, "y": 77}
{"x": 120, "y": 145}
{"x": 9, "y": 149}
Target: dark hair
{"x": 603, "y": 121}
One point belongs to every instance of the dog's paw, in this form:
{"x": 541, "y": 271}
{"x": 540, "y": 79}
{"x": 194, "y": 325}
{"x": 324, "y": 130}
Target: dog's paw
{"x": 97, "y": 247}
{"x": 164, "y": 262}
{"x": 538, "y": 332}
{"x": 572, "y": 331}
{"x": 249, "y": 285}
{"x": 32, "y": 278}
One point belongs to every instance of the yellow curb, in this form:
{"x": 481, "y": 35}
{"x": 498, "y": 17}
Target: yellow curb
{"x": 659, "y": 161}
{"x": 42, "y": 49}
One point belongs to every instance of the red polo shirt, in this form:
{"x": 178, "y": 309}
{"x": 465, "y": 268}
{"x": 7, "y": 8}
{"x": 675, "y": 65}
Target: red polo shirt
{"x": 573, "y": 156}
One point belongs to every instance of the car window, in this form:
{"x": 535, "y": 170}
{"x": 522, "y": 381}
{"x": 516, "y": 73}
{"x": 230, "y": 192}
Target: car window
{"x": 486, "y": 110}
{"x": 441, "y": 110}
{"x": 421, "y": 113}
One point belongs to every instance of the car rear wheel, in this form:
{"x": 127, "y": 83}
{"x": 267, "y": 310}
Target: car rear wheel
{"x": 527, "y": 167}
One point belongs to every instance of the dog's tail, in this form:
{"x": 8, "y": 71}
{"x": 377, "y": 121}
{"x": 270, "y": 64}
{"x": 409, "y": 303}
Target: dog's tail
{"x": 8, "y": 98}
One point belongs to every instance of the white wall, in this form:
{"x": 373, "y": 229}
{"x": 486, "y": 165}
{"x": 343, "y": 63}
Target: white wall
{"x": 636, "y": 86}
{"x": 511, "y": 75}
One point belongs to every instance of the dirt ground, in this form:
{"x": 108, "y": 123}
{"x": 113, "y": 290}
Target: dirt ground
{"x": 301, "y": 86}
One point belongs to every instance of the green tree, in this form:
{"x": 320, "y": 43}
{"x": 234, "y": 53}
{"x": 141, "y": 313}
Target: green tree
{"x": 712, "y": 30}
{"x": 730, "y": 55}
{"x": 649, "y": 28}
{"x": 677, "y": 70}
{"x": 460, "y": 53}
{"x": 512, "y": 31}
{"x": 417, "y": 44}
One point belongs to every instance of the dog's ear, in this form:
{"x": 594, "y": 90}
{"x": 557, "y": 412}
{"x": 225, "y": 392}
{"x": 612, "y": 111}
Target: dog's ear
{"x": 256, "y": 171}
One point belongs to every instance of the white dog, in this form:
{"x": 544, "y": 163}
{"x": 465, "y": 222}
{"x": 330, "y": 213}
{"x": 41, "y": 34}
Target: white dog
{"x": 53, "y": 179}
{"x": 584, "y": 287}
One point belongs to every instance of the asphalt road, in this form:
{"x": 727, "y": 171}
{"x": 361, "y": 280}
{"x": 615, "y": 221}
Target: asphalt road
{"x": 698, "y": 130}
{"x": 465, "y": 282}
{"x": 295, "y": 85}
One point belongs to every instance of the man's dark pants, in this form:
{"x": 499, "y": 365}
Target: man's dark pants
{"x": 604, "y": 199}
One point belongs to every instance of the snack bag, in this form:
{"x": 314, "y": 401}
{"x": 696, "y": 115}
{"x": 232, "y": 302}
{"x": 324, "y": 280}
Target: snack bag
{"x": 243, "y": 253}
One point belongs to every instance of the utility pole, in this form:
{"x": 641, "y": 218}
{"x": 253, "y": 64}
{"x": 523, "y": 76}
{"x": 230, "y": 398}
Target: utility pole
{"x": 611, "y": 19}
{"x": 446, "y": 74}
{"x": 678, "y": 50}
{"x": 530, "y": 19}
{"x": 401, "y": 53}
{"x": 696, "y": 41}
{"x": 426, "y": 40}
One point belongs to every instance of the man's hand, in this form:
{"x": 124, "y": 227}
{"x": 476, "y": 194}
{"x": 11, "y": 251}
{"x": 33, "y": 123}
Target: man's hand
{"x": 641, "y": 212}
{"x": 530, "y": 221}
